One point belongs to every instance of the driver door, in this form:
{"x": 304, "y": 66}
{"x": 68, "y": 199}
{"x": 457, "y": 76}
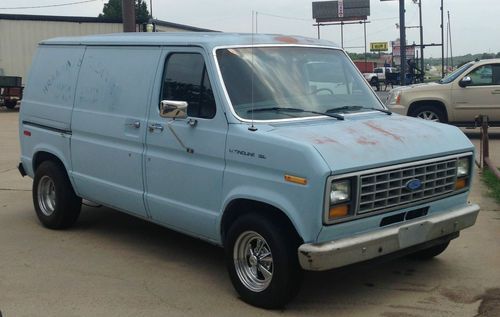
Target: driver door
{"x": 184, "y": 159}
{"x": 482, "y": 96}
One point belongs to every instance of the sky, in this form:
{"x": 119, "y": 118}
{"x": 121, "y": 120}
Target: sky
{"x": 475, "y": 24}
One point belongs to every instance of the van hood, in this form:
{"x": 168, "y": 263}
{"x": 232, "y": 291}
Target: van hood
{"x": 363, "y": 142}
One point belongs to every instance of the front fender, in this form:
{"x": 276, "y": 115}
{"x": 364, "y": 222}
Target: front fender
{"x": 306, "y": 224}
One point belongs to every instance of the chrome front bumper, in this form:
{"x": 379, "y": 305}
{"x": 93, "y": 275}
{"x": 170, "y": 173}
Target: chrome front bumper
{"x": 362, "y": 247}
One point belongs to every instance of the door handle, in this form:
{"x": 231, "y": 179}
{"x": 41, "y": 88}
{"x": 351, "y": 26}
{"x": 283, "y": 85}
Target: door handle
{"x": 495, "y": 92}
{"x": 135, "y": 124}
{"x": 155, "y": 126}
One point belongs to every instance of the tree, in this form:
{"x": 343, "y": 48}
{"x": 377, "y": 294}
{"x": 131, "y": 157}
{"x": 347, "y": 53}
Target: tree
{"x": 113, "y": 10}
{"x": 487, "y": 56}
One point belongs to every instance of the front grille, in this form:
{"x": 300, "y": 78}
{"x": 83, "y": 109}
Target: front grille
{"x": 387, "y": 189}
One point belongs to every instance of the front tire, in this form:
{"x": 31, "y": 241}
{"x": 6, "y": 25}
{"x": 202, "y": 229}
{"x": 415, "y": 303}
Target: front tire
{"x": 262, "y": 261}
{"x": 55, "y": 201}
{"x": 430, "y": 113}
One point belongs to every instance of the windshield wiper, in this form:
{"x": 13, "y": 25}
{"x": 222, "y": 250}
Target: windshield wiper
{"x": 287, "y": 109}
{"x": 355, "y": 108}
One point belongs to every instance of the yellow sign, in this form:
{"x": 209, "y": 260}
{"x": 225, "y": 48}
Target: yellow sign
{"x": 379, "y": 47}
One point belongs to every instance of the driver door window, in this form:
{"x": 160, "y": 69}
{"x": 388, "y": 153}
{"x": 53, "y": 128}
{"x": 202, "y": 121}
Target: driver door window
{"x": 186, "y": 79}
{"x": 482, "y": 76}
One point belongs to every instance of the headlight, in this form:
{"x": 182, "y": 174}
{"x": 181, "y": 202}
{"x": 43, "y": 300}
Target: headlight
{"x": 341, "y": 191}
{"x": 340, "y": 202}
{"x": 463, "y": 167}
{"x": 463, "y": 170}
{"x": 394, "y": 98}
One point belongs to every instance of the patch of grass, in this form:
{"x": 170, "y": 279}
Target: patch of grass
{"x": 493, "y": 183}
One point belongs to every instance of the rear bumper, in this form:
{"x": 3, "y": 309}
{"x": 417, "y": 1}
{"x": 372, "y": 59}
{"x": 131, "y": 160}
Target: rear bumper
{"x": 367, "y": 246}
{"x": 21, "y": 169}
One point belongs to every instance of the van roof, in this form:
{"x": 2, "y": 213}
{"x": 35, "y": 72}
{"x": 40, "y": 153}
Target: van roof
{"x": 205, "y": 39}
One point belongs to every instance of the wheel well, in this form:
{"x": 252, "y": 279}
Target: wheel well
{"x": 434, "y": 103}
{"x": 240, "y": 207}
{"x": 41, "y": 157}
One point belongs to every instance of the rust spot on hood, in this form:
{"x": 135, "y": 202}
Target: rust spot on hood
{"x": 364, "y": 141}
{"x": 381, "y": 130}
{"x": 324, "y": 140}
{"x": 286, "y": 39}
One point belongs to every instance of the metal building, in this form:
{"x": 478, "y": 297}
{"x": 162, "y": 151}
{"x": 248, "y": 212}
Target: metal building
{"x": 20, "y": 35}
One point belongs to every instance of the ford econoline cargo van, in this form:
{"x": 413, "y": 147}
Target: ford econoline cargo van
{"x": 273, "y": 147}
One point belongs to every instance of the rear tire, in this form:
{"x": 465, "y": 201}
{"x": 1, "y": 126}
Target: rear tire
{"x": 55, "y": 201}
{"x": 427, "y": 254}
{"x": 375, "y": 82}
{"x": 262, "y": 261}
{"x": 10, "y": 104}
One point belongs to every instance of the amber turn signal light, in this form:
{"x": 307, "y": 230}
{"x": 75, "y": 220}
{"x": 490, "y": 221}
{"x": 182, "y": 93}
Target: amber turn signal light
{"x": 460, "y": 183}
{"x": 338, "y": 211}
{"x": 296, "y": 179}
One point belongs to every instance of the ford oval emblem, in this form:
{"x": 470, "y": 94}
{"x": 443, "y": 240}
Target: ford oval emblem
{"x": 413, "y": 184}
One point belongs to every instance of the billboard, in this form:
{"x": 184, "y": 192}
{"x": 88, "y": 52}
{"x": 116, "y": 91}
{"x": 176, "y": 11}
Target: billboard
{"x": 340, "y": 10}
{"x": 410, "y": 51}
{"x": 379, "y": 47}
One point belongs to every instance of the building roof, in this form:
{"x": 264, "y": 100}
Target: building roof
{"x": 79, "y": 19}
{"x": 205, "y": 39}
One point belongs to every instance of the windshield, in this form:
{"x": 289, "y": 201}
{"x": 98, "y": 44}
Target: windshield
{"x": 452, "y": 76}
{"x": 308, "y": 80}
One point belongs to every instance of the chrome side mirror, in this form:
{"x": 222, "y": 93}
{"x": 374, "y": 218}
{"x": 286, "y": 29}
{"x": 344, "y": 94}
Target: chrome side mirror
{"x": 464, "y": 82}
{"x": 173, "y": 109}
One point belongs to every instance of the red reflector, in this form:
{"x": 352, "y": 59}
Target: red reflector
{"x": 27, "y": 133}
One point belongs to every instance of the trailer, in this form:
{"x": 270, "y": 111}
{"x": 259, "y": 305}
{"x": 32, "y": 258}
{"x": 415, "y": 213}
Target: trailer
{"x": 365, "y": 67}
{"x": 11, "y": 91}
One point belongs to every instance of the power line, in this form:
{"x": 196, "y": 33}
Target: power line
{"x": 283, "y": 17}
{"x": 48, "y": 5}
{"x": 304, "y": 19}
{"x": 382, "y": 19}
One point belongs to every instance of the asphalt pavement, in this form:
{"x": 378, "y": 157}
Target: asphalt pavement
{"x": 112, "y": 264}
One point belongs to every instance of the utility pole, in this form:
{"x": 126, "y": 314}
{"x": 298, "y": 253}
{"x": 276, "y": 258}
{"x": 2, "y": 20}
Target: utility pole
{"x": 450, "y": 41}
{"x": 422, "y": 64}
{"x": 364, "y": 27}
{"x": 442, "y": 39}
{"x": 128, "y": 14}
{"x": 402, "y": 39}
{"x": 342, "y": 34}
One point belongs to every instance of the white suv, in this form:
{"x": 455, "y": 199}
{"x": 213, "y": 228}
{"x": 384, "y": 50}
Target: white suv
{"x": 471, "y": 90}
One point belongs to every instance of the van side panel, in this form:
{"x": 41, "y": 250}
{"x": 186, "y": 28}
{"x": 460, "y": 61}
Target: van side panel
{"x": 109, "y": 125}
{"x": 50, "y": 89}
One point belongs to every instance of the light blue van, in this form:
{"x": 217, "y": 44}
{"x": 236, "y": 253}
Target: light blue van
{"x": 271, "y": 146}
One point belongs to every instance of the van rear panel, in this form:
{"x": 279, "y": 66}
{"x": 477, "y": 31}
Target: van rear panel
{"x": 50, "y": 90}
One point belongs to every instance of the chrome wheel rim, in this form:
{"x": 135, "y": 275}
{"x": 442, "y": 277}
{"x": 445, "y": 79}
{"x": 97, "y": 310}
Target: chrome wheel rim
{"x": 46, "y": 194}
{"x": 253, "y": 261}
{"x": 428, "y": 115}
